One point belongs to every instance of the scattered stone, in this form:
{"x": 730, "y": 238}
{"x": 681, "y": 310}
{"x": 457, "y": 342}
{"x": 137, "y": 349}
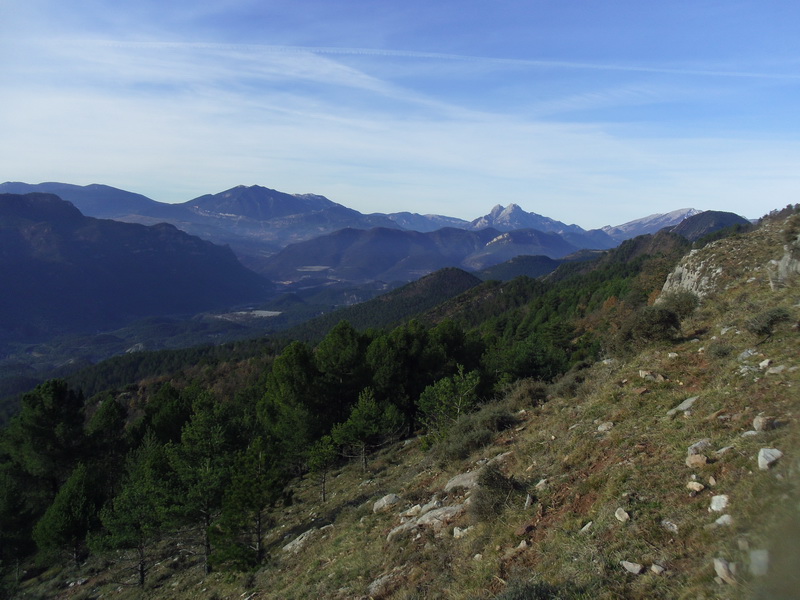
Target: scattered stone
{"x": 725, "y": 570}
{"x": 586, "y": 527}
{"x": 696, "y": 460}
{"x": 650, "y": 376}
{"x": 523, "y": 544}
{"x": 631, "y": 567}
{"x": 672, "y": 355}
{"x": 765, "y": 363}
{"x": 695, "y": 486}
{"x": 712, "y": 481}
{"x": 722, "y": 451}
{"x": 412, "y": 512}
{"x": 434, "y": 503}
{"x": 718, "y": 503}
{"x": 385, "y": 502}
{"x": 501, "y": 457}
{"x": 749, "y": 353}
{"x": 400, "y": 530}
{"x": 683, "y": 406}
{"x": 381, "y": 585}
{"x": 478, "y": 557}
{"x": 604, "y": 427}
{"x": 621, "y": 515}
{"x": 466, "y": 480}
{"x": 528, "y": 501}
{"x": 541, "y": 485}
{"x": 458, "y": 533}
{"x": 439, "y": 517}
{"x": 759, "y": 562}
{"x": 776, "y": 370}
{"x": 657, "y": 569}
{"x": 724, "y": 520}
{"x": 698, "y": 447}
{"x": 767, "y": 457}
{"x": 300, "y": 541}
{"x": 669, "y": 526}
{"x": 762, "y": 423}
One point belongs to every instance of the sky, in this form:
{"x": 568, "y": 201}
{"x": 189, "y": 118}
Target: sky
{"x": 593, "y": 112}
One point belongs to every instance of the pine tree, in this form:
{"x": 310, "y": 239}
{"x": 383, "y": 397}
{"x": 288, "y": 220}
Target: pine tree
{"x": 202, "y": 466}
{"x": 321, "y": 458}
{"x": 66, "y": 523}
{"x": 257, "y": 483}
{"x": 370, "y": 425}
{"x": 136, "y": 516}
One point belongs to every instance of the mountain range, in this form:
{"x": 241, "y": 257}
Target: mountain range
{"x": 257, "y": 222}
{"x": 65, "y": 272}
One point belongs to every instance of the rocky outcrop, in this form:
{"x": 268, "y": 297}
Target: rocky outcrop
{"x": 695, "y": 274}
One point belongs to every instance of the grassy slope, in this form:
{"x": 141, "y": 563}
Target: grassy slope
{"x": 638, "y": 465}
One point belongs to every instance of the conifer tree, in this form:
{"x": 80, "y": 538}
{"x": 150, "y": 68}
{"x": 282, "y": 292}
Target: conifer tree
{"x": 370, "y": 425}
{"x": 202, "y": 466}
{"x": 257, "y": 482}
{"x": 65, "y": 525}
{"x": 321, "y": 457}
{"x": 136, "y": 516}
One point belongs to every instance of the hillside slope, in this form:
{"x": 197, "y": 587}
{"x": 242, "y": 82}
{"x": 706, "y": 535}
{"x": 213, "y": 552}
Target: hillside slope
{"x": 667, "y": 471}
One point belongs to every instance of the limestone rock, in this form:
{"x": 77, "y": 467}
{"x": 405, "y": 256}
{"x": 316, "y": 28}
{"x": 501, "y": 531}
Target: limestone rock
{"x": 724, "y": 570}
{"x": 621, "y": 515}
{"x": 724, "y": 521}
{"x": 459, "y": 533}
{"x": 434, "y": 503}
{"x": 669, "y": 526}
{"x": 439, "y": 517}
{"x": 300, "y": 541}
{"x": 466, "y": 480}
{"x": 385, "y": 502}
{"x": 401, "y": 530}
{"x": 762, "y": 423}
{"x": 698, "y": 447}
{"x": 631, "y": 567}
{"x": 412, "y": 512}
{"x": 605, "y": 427}
{"x": 767, "y": 457}
{"x": 586, "y": 527}
{"x": 696, "y": 460}
{"x": 718, "y": 503}
{"x": 695, "y": 486}
{"x": 657, "y": 569}
{"x": 683, "y": 406}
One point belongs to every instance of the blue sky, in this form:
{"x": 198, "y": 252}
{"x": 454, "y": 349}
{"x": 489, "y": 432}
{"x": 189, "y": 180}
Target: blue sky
{"x": 590, "y": 112}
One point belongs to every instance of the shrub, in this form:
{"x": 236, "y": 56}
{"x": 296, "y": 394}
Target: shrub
{"x": 683, "y": 303}
{"x": 719, "y": 350}
{"x": 494, "y": 493}
{"x": 764, "y": 322}
{"x": 472, "y": 432}
{"x": 527, "y": 392}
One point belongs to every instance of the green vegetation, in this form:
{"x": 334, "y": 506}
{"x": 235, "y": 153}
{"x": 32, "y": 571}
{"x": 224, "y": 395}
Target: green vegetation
{"x": 189, "y": 481}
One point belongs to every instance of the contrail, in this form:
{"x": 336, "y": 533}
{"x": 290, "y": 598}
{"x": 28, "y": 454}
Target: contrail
{"x": 413, "y": 54}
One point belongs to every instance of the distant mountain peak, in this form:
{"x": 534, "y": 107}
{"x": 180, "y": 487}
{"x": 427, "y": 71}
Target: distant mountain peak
{"x": 649, "y": 224}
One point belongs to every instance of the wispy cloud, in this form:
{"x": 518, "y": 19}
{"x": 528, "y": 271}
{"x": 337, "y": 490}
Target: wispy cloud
{"x": 175, "y": 119}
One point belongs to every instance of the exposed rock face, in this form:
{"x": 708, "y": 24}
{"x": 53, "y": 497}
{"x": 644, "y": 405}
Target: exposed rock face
{"x": 693, "y": 274}
{"x": 789, "y": 264}
{"x": 385, "y": 502}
